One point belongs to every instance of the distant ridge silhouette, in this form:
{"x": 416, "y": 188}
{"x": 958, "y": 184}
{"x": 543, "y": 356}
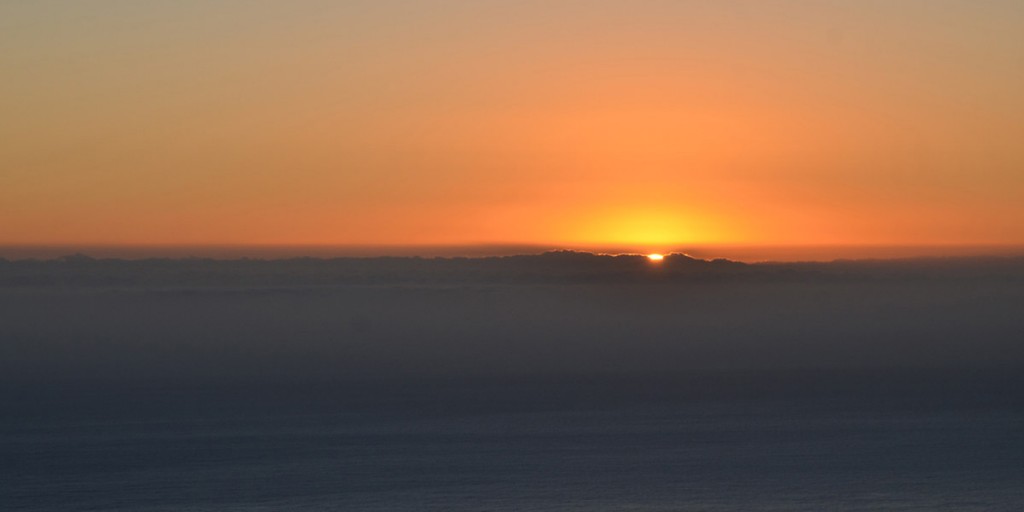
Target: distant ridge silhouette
{"x": 549, "y": 267}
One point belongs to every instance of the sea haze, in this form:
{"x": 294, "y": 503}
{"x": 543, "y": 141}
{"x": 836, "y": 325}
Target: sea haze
{"x": 561, "y": 381}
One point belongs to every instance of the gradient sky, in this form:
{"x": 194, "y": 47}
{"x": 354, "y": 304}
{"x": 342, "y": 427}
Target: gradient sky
{"x": 644, "y": 123}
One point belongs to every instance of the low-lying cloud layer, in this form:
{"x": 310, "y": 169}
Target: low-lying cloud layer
{"x": 553, "y": 315}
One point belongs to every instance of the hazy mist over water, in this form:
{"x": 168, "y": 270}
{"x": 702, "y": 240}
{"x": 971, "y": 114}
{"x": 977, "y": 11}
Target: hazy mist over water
{"x": 562, "y": 381}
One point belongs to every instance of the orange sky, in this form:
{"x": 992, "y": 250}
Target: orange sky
{"x": 641, "y": 124}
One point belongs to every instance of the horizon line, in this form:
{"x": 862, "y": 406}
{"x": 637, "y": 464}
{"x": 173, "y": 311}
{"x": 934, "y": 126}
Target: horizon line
{"x": 747, "y": 253}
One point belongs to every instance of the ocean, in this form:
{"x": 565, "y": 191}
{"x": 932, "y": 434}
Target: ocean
{"x": 587, "y": 449}
{"x": 558, "y": 382}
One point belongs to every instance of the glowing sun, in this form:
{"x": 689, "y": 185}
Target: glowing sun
{"x": 655, "y": 257}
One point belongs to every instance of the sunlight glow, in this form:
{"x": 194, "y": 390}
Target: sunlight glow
{"x": 655, "y": 257}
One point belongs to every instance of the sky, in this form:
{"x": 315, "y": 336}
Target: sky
{"x": 639, "y": 124}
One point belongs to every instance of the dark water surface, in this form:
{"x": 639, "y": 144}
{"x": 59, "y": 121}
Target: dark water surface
{"x": 554, "y": 383}
{"x": 834, "y": 450}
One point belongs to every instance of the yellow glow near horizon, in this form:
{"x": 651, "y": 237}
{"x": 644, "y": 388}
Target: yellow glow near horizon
{"x": 655, "y": 257}
{"x": 646, "y": 227}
